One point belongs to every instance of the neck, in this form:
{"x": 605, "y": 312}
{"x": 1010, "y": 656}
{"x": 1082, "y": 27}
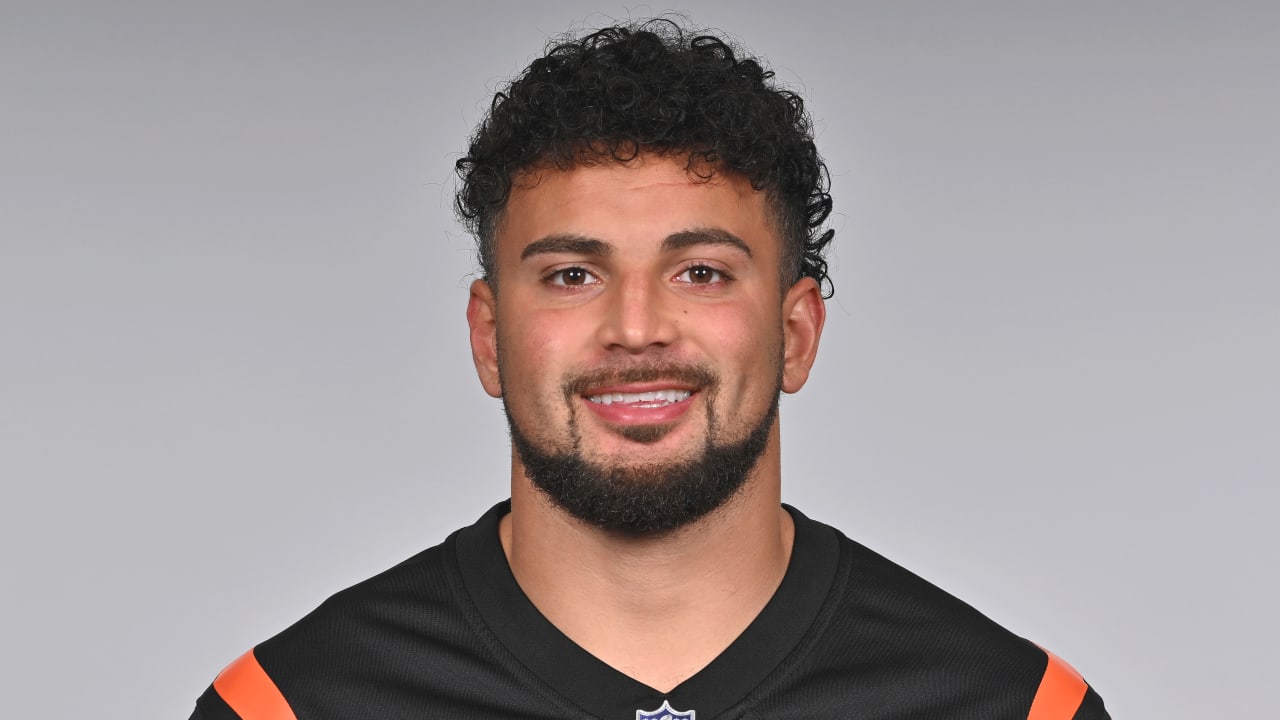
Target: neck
{"x": 636, "y": 602}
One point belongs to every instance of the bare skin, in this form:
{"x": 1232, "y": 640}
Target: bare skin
{"x": 659, "y": 607}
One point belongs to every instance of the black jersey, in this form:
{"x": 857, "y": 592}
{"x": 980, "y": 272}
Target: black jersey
{"x": 449, "y": 634}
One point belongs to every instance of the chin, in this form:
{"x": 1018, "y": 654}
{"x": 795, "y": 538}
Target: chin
{"x": 656, "y": 493}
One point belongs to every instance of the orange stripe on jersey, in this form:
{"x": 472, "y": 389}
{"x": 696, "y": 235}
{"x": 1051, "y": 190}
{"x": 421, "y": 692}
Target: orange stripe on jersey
{"x": 1060, "y": 694}
{"x": 247, "y": 688}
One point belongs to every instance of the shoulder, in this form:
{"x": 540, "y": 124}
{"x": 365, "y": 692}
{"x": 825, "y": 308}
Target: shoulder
{"x": 401, "y": 632}
{"x": 417, "y": 595}
{"x": 893, "y": 616}
{"x": 912, "y": 647}
{"x": 349, "y": 633}
{"x": 884, "y": 609}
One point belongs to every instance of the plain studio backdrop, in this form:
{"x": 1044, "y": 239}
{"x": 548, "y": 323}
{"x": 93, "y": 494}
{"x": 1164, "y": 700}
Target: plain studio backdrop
{"x": 234, "y": 374}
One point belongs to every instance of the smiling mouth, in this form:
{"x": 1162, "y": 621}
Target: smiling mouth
{"x": 645, "y": 415}
{"x": 649, "y": 399}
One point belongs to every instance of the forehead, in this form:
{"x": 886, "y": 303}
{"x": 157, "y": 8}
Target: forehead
{"x": 634, "y": 203}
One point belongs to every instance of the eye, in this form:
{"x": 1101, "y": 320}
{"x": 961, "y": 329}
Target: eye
{"x": 701, "y": 275}
{"x": 572, "y": 277}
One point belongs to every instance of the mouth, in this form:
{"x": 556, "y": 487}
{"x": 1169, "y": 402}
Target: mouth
{"x": 641, "y": 403}
{"x": 646, "y": 399}
{"x": 655, "y": 404}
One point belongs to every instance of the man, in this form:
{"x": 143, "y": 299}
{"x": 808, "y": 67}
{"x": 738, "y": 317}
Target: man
{"x": 649, "y": 216}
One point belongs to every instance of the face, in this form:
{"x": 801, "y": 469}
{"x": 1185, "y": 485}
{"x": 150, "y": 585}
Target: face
{"x": 639, "y": 338}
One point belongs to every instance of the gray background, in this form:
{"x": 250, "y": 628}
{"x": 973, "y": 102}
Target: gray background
{"x": 234, "y": 374}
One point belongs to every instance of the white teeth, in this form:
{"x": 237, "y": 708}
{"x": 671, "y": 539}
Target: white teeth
{"x": 653, "y": 398}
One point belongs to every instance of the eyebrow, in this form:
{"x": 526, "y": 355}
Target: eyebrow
{"x": 567, "y": 243}
{"x": 704, "y": 236}
{"x": 583, "y": 245}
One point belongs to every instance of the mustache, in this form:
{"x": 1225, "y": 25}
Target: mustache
{"x": 683, "y": 373}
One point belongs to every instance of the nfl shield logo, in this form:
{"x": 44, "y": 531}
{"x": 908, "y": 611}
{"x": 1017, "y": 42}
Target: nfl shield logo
{"x": 666, "y": 712}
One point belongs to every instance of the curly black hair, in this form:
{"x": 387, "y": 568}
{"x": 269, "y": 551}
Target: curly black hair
{"x": 650, "y": 87}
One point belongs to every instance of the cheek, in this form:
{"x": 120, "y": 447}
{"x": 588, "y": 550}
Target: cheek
{"x": 532, "y": 350}
{"x": 741, "y": 331}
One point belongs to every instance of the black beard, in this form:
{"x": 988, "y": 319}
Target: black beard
{"x": 644, "y": 499}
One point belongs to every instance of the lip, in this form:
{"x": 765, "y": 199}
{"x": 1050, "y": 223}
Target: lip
{"x": 634, "y": 414}
{"x": 640, "y": 388}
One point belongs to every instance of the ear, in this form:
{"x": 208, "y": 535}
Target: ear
{"x": 482, "y": 318}
{"x": 803, "y": 314}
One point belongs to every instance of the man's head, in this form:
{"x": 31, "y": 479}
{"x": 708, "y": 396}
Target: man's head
{"x": 651, "y": 208}
{"x": 653, "y": 88}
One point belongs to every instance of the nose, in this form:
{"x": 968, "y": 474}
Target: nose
{"x": 639, "y": 315}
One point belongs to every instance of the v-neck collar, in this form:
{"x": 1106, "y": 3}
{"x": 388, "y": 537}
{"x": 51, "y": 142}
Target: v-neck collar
{"x": 607, "y": 693}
